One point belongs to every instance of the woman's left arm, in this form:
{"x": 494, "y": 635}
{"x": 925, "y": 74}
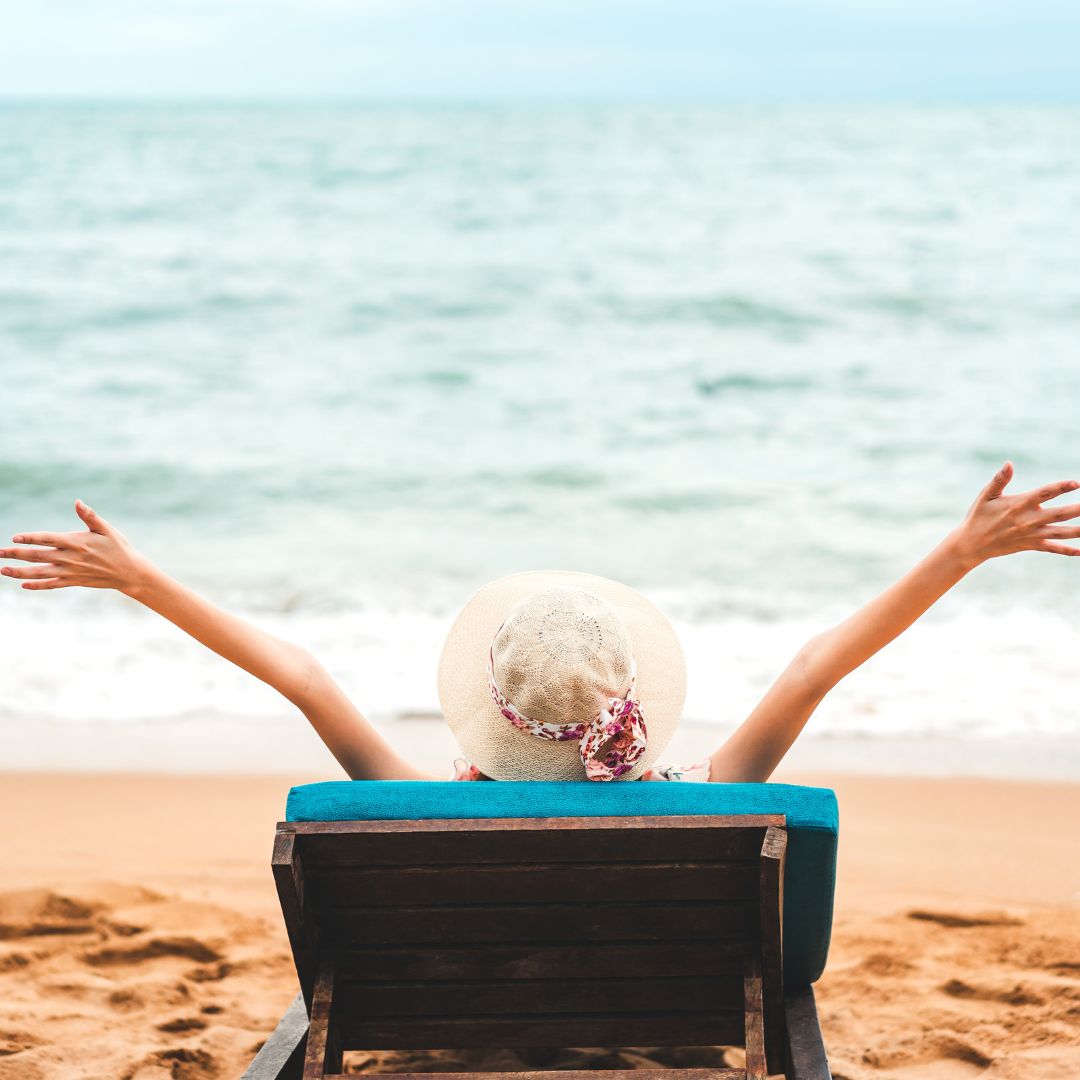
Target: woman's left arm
{"x": 996, "y": 524}
{"x": 102, "y": 557}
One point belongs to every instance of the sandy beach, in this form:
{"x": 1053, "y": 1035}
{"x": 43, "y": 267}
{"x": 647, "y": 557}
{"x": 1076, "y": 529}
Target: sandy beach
{"x": 140, "y": 936}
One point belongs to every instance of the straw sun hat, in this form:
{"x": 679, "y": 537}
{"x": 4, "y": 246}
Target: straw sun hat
{"x": 561, "y": 675}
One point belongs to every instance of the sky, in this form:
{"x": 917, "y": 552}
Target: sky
{"x": 448, "y": 50}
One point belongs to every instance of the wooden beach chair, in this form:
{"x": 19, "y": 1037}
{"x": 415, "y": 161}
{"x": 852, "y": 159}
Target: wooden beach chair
{"x": 522, "y": 914}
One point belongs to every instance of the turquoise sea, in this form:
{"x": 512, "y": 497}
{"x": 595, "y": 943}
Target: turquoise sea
{"x": 336, "y": 367}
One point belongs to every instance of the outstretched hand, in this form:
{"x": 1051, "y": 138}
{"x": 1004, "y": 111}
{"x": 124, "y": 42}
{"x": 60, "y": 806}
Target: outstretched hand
{"x": 99, "y": 557}
{"x": 999, "y": 524}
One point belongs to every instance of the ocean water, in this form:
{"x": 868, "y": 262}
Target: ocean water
{"x": 336, "y": 367}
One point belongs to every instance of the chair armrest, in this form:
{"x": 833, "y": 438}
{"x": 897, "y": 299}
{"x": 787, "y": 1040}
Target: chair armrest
{"x": 282, "y": 1055}
{"x": 806, "y": 1048}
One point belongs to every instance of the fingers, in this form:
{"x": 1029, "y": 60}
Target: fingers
{"x": 1060, "y": 532}
{"x": 47, "y": 571}
{"x": 1062, "y": 513}
{"x": 39, "y": 554}
{"x": 997, "y": 484}
{"x": 1050, "y": 491}
{"x": 1058, "y": 549}
{"x": 56, "y": 540}
{"x": 94, "y": 521}
{"x": 49, "y": 583}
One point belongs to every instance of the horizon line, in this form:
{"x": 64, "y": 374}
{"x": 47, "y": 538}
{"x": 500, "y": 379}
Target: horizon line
{"x": 490, "y": 100}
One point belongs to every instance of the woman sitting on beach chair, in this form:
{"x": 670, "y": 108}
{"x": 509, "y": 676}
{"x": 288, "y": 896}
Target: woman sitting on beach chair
{"x": 559, "y": 675}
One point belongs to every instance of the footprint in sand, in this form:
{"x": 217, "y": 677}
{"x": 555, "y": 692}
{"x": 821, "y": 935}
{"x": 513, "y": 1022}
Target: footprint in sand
{"x": 182, "y": 1025}
{"x": 1017, "y": 995}
{"x": 28, "y": 913}
{"x": 150, "y": 992}
{"x": 922, "y": 1052}
{"x": 136, "y": 973}
{"x": 887, "y": 965}
{"x": 949, "y": 1046}
{"x": 151, "y": 948}
{"x": 211, "y": 974}
{"x": 15, "y": 1042}
{"x": 12, "y": 961}
{"x": 954, "y": 921}
{"x": 182, "y": 1063}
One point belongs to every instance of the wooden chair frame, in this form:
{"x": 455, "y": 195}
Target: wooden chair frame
{"x": 452, "y": 933}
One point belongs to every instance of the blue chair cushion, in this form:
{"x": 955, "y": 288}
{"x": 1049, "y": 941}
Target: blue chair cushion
{"x": 810, "y": 872}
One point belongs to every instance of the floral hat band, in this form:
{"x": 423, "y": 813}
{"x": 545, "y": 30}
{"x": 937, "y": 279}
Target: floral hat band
{"x": 619, "y": 723}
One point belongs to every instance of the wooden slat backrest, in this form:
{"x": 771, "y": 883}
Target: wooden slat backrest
{"x": 538, "y": 931}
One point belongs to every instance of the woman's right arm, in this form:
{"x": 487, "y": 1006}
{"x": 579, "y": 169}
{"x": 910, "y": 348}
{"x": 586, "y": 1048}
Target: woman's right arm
{"x": 102, "y": 557}
{"x": 996, "y": 524}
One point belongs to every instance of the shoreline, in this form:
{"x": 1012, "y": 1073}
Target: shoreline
{"x": 969, "y": 671}
{"x": 211, "y": 745}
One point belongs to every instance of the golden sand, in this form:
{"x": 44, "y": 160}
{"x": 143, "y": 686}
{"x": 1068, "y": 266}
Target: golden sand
{"x": 140, "y": 937}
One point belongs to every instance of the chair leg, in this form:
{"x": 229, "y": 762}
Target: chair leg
{"x": 806, "y": 1048}
{"x": 282, "y": 1055}
{"x": 323, "y": 1044}
{"x": 753, "y": 1006}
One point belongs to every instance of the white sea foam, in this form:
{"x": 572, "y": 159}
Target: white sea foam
{"x": 968, "y": 676}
